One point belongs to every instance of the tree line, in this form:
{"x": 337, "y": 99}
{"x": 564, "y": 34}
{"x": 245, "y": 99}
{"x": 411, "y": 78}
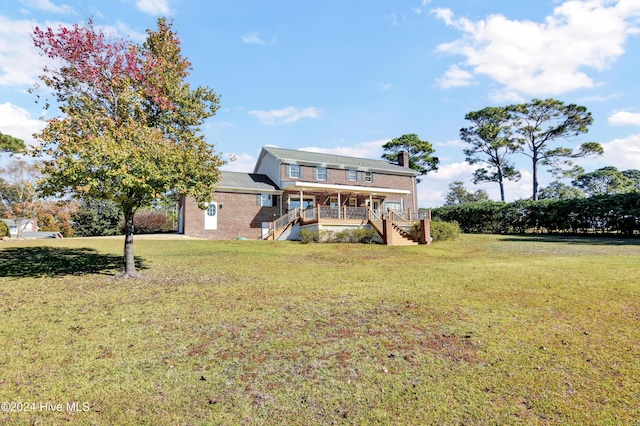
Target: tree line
{"x": 496, "y": 134}
{"x": 598, "y": 214}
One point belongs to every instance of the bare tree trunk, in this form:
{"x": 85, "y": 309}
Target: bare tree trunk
{"x": 129, "y": 260}
{"x": 535, "y": 179}
{"x": 18, "y": 224}
{"x": 501, "y": 191}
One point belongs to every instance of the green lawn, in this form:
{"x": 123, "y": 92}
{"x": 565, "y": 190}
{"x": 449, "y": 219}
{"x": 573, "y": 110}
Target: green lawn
{"x": 485, "y": 330}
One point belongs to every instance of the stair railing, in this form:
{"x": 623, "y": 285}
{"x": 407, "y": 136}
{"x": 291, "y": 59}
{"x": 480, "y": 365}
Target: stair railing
{"x": 404, "y": 226}
{"x": 282, "y": 222}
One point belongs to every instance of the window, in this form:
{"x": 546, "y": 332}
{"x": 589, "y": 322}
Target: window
{"x": 352, "y": 175}
{"x": 368, "y": 176}
{"x": 393, "y": 205}
{"x": 307, "y": 202}
{"x": 293, "y": 171}
{"x": 321, "y": 173}
{"x": 352, "y": 202}
{"x": 265, "y": 200}
{"x": 211, "y": 210}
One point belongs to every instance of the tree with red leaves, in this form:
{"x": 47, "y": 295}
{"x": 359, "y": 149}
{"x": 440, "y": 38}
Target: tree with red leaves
{"x": 130, "y": 124}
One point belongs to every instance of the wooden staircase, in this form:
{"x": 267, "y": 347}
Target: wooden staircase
{"x": 399, "y": 238}
{"x": 396, "y": 236}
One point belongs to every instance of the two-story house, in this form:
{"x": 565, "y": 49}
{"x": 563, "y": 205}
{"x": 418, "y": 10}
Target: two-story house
{"x": 289, "y": 190}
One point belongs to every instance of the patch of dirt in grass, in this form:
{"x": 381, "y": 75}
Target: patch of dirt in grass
{"x": 455, "y": 348}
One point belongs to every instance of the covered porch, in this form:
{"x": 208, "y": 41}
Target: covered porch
{"x": 344, "y": 202}
{"x": 315, "y": 205}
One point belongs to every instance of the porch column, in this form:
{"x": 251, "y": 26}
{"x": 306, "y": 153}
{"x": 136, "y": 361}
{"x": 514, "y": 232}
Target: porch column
{"x": 339, "y": 206}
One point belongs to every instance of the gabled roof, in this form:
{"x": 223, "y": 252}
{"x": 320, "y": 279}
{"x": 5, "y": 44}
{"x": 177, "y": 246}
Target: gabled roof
{"x": 236, "y": 181}
{"x": 291, "y": 156}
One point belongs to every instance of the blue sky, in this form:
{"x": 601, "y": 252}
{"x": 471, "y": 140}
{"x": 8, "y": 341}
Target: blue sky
{"x": 345, "y": 77}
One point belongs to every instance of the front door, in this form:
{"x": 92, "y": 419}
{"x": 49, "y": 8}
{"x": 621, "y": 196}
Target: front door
{"x": 375, "y": 206}
{"x": 211, "y": 217}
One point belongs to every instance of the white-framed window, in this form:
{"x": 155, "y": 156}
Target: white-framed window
{"x": 368, "y": 176}
{"x": 352, "y": 175}
{"x": 307, "y": 202}
{"x": 352, "y": 202}
{"x": 393, "y": 205}
{"x": 321, "y": 173}
{"x": 212, "y": 209}
{"x": 265, "y": 200}
{"x": 293, "y": 171}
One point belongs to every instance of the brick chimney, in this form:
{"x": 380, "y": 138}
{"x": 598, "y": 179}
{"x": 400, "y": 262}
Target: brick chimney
{"x": 403, "y": 159}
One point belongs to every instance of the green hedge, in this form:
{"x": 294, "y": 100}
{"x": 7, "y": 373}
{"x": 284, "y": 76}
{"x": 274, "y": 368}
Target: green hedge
{"x": 444, "y": 231}
{"x": 604, "y": 214}
{"x": 361, "y": 235}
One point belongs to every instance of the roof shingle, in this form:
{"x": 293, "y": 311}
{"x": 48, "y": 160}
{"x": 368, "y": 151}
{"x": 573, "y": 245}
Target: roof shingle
{"x": 332, "y": 160}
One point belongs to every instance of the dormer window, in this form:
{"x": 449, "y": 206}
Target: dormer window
{"x": 293, "y": 171}
{"x": 321, "y": 173}
{"x": 352, "y": 175}
{"x": 368, "y": 176}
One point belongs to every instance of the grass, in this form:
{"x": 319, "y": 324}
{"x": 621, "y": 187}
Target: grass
{"x": 485, "y": 330}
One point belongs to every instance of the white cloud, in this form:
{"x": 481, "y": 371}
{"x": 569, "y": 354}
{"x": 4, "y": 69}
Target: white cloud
{"x": 154, "y": 7}
{"x": 252, "y": 39}
{"x": 20, "y": 63}
{"x": 455, "y": 171}
{"x": 242, "y": 163}
{"x": 17, "y": 122}
{"x": 385, "y": 86}
{"x": 622, "y": 118}
{"x": 545, "y": 58}
{"x": 47, "y": 6}
{"x": 455, "y": 143}
{"x": 455, "y": 77}
{"x": 286, "y": 115}
{"x": 622, "y": 153}
{"x": 505, "y": 96}
{"x": 421, "y": 8}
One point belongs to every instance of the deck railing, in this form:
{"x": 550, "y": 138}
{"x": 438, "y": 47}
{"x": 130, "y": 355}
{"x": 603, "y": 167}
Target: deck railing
{"x": 418, "y": 215}
{"x": 345, "y": 213}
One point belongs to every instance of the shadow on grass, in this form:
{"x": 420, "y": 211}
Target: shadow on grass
{"x": 54, "y": 262}
{"x": 576, "y": 239}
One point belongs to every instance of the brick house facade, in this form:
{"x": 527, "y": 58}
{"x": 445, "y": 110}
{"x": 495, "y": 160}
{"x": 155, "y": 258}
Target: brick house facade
{"x": 286, "y": 179}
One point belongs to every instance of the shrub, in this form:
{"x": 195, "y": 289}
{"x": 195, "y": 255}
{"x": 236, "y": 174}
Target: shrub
{"x": 443, "y": 231}
{"x": 345, "y": 236}
{"x": 307, "y": 236}
{"x": 4, "y": 229}
{"x": 151, "y": 222}
{"x": 362, "y": 235}
{"x": 326, "y": 236}
{"x": 365, "y": 235}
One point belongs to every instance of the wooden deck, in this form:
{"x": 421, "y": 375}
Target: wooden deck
{"x": 394, "y": 230}
{"x": 335, "y": 215}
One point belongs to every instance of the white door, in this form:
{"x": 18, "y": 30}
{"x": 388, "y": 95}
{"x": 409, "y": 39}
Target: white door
{"x": 211, "y": 217}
